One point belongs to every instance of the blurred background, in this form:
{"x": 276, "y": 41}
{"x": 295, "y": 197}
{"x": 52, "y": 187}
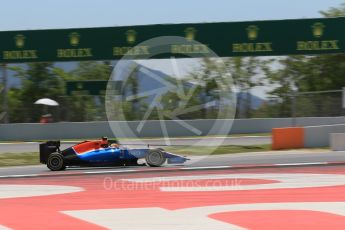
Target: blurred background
{"x": 291, "y": 86}
{"x": 266, "y": 87}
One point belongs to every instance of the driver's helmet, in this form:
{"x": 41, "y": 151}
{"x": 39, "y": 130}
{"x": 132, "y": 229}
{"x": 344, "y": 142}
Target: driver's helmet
{"x": 104, "y": 140}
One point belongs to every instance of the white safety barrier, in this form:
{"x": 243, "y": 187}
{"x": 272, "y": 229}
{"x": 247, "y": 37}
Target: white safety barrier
{"x": 319, "y": 136}
{"x": 71, "y": 130}
{"x": 337, "y": 141}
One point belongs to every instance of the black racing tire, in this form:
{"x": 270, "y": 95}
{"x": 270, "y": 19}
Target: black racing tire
{"x": 55, "y": 162}
{"x": 155, "y": 158}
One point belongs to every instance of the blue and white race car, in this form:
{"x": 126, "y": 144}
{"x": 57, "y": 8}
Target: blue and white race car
{"x": 103, "y": 153}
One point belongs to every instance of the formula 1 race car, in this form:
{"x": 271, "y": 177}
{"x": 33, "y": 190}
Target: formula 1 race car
{"x": 102, "y": 152}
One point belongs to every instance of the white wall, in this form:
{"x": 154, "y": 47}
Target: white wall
{"x": 319, "y": 136}
{"x": 65, "y": 130}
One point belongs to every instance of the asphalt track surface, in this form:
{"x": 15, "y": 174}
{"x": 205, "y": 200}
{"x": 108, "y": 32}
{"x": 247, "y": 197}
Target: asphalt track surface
{"x": 257, "y": 198}
{"x": 210, "y": 141}
{"x": 241, "y": 159}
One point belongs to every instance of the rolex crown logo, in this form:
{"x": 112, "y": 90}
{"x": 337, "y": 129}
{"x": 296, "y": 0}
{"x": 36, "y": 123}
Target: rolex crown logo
{"x": 74, "y": 39}
{"x": 318, "y": 29}
{"x": 19, "y": 40}
{"x": 253, "y": 32}
{"x": 131, "y": 36}
{"x": 190, "y": 33}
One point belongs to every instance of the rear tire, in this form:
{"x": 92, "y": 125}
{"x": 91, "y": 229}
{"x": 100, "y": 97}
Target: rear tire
{"x": 155, "y": 158}
{"x": 55, "y": 162}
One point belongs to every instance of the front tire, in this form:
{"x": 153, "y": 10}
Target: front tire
{"x": 55, "y": 162}
{"x": 155, "y": 158}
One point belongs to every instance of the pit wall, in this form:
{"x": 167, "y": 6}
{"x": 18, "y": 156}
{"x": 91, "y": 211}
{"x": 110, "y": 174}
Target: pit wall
{"x": 316, "y": 137}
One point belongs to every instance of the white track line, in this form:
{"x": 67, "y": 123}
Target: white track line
{"x": 208, "y": 167}
{"x": 110, "y": 171}
{"x": 17, "y": 143}
{"x": 27, "y": 175}
{"x": 296, "y": 164}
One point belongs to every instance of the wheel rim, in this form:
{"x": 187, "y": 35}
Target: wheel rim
{"x": 155, "y": 158}
{"x": 55, "y": 162}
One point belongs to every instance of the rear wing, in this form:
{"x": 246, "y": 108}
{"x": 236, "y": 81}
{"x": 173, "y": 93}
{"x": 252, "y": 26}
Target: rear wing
{"x": 47, "y": 148}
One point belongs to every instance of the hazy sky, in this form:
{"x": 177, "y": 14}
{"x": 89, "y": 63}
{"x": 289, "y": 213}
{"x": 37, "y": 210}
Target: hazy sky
{"x": 39, "y": 14}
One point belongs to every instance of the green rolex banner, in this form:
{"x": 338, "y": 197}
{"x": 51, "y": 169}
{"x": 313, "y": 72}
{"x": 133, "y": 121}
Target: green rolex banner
{"x": 226, "y": 39}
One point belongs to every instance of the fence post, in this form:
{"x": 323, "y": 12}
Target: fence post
{"x": 293, "y": 109}
{"x": 343, "y": 101}
{"x": 4, "y": 94}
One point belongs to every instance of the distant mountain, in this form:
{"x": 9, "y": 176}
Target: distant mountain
{"x": 12, "y": 80}
{"x": 148, "y": 80}
{"x": 256, "y": 102}
{"x": 15, "y": 82}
